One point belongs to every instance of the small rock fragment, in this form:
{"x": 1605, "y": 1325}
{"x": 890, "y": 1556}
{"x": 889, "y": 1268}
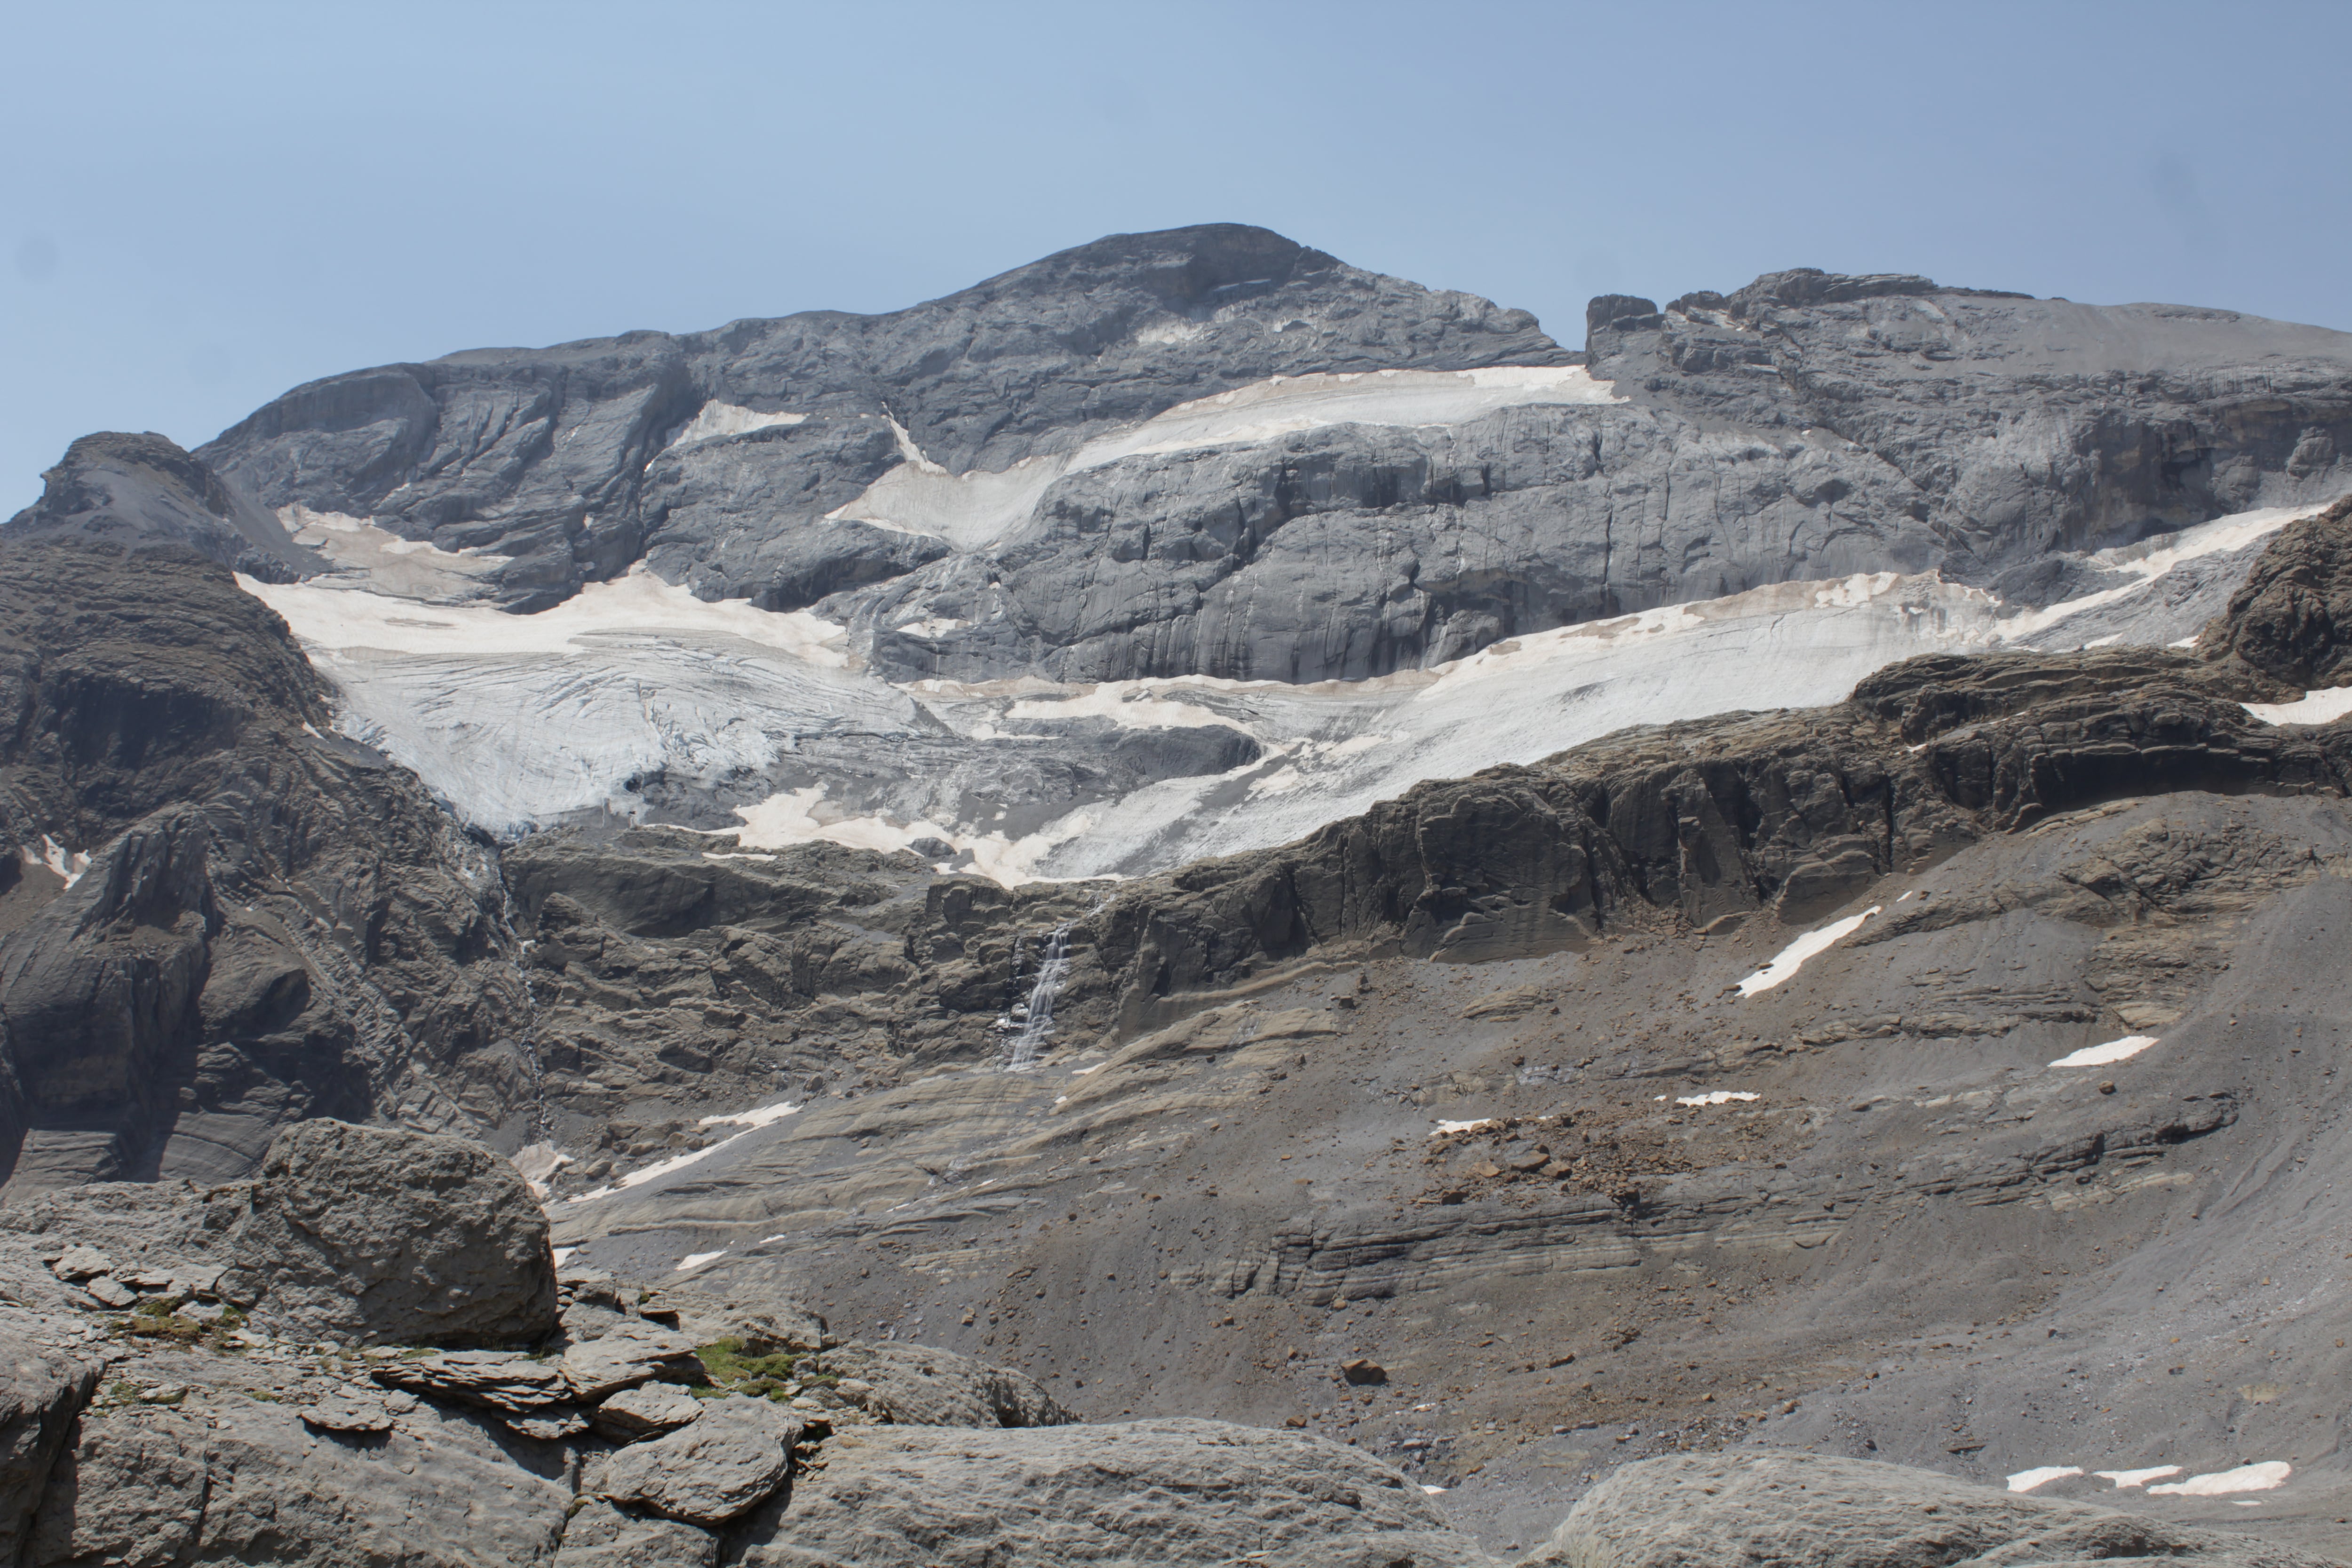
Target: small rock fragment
{"x": 111, "y": 1292}
{"x": 78, "y": 1263}
{"x": 357, "y": 1414}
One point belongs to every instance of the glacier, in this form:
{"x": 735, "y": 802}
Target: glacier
{"x": 635, "y": 700}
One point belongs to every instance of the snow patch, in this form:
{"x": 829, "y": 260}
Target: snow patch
{"x": 364, "y": 556}
{"x": 762, "y": 1116}
{"x": 1791, "y": 958}
{"x": 1286, "y": 405}
{"x": 2126, "y": 1480}
{"x": 973, "y": 511}
{"x": 694, "y": 1260}
{"x": 2262, "y": 1478}
{"x": 970, "y": 512}
{"x": 932, "y": 627}
{"x": 343, "y": 618}
{"x": 1717, "y": 1097}
{"x": 751, "y": 1121}
{"x": 2026, "y": 1480}
{"x": 2313, "y": 708}
{"x": 2113, "y": 1051}
{"x": 1443, "y": 1128}
{"x": 716, "y": 419}
{"x": 67, "y": 866}
{"x": 1127, "y": 703}
{"x": 2153, "y": 558}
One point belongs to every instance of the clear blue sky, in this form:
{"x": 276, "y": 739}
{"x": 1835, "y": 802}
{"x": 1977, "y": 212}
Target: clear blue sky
{"x": 201, "y": 206}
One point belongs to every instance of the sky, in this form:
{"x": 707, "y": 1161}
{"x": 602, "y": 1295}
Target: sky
{"x": 201, "y": 207}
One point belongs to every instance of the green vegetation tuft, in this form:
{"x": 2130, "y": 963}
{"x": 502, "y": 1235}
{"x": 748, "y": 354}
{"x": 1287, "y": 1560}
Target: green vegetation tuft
{"x": 733, "y": 1371}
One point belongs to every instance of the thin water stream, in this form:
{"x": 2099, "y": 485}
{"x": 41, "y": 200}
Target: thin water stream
{"x": 1021, "y": 1051}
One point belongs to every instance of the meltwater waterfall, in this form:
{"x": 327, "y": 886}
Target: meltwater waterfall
{"x": 1021, "y": 1051}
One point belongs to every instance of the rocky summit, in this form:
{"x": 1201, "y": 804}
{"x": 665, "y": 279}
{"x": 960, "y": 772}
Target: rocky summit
{"x": 1196, "y": 906}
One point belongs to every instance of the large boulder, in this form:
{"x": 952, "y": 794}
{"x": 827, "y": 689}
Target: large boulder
{"x": 917, "y": 1385}
{"x": 378, "y": 1235}
{"x": 1734, "y": 1510}
{"x": 1140, "y": 1492}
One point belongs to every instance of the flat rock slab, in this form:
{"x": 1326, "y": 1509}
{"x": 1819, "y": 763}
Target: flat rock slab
{"x": 645, "y": 1411}
{"x": 602, "y": 1536}
{"x": 503, "y": 1381}
{"x": 1731, "y": 1511}
{"x": 633, "y": 1352}
{"x": 356, "y": 1413}
{"x": 719, "y": 1469}
{"x": 78, "y": 1263}
{"x": 1140, "y": 1492}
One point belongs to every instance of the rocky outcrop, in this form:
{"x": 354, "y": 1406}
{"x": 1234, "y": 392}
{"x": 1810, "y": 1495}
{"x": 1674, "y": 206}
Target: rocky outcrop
{"x": 2292, "y": 617}
{"x": 575, "y": 461}
{"x": 1725, "y": 1511}
{"x": 379, "y": 1235}
{"x": 970, "y": 486}
{"x": 144, "y": 493}
{"x": 215, "y": 918}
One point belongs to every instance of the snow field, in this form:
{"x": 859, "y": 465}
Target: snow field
{"x": 520, "y": 721}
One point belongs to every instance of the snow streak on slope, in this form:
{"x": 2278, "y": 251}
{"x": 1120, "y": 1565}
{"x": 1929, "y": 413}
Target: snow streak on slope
{"x": 973, "y": 511}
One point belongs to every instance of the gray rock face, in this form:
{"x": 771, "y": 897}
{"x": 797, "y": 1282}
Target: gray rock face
{"x": 145, "y": 492}
{"x": 1807, "y": 426}
{"x": 1727, "y": 1510}
{"x": 711, "y": 1472}
{"x": 385, "y": 1236}
{"x": 199, "y": 982}
{"x": 602, "y": 1536}
{"x": 562, "y": 458}
{"x": 917, "y": 1385}
{"x": 1160, "y": 1492}
{"x": 246, "y": 1481}
{"x": 41, "y": 1392}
